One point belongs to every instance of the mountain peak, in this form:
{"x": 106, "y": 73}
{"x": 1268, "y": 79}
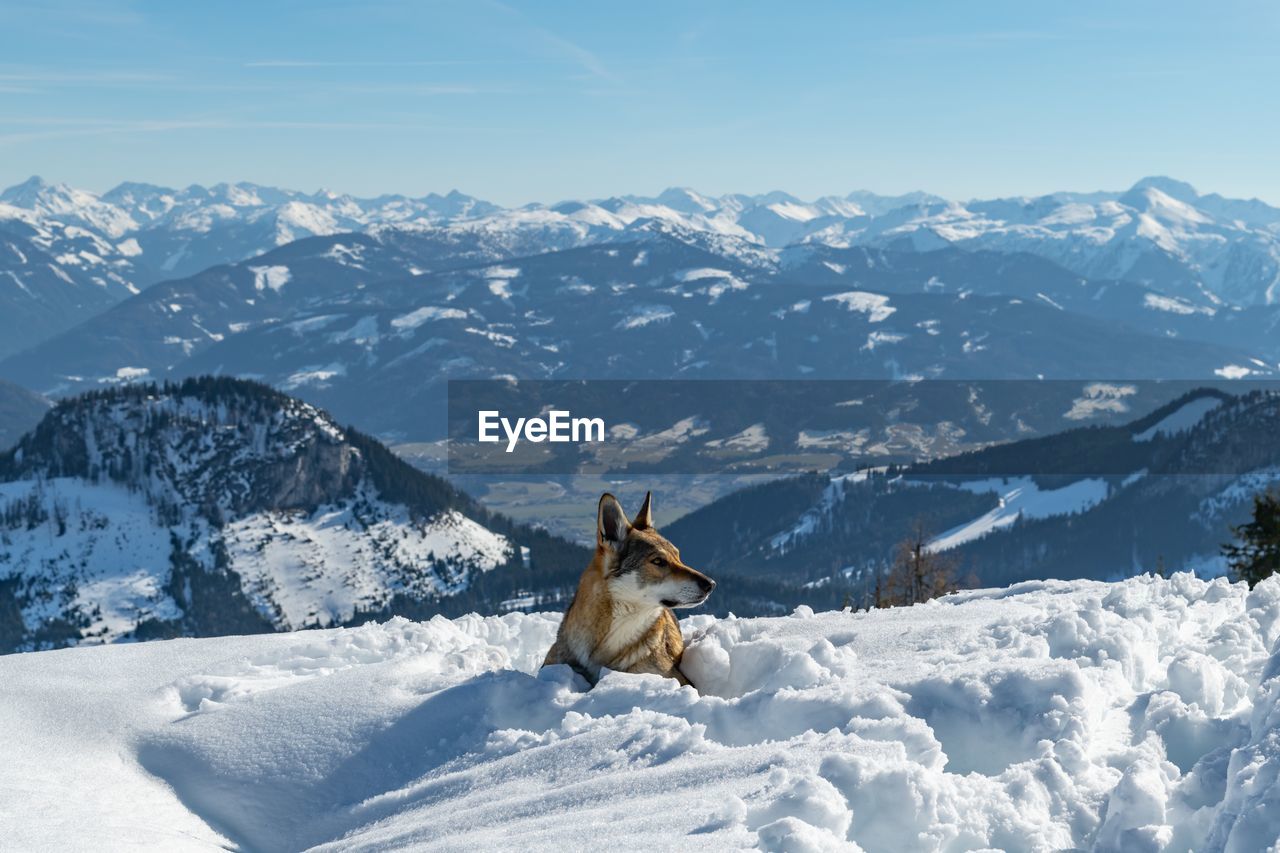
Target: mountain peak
{"x": 215, "y": 497}
{"x": 685, "y": 200}
{"x": 33, "y": 182}
{"x": 1181, "y": 190}
{"x": 28, "y": 189}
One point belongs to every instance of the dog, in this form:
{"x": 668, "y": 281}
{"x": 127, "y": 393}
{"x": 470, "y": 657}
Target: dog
{"x": 620, "y": 617}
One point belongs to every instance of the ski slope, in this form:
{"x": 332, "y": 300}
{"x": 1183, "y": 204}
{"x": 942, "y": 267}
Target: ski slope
{"x": 1142, "y": 715}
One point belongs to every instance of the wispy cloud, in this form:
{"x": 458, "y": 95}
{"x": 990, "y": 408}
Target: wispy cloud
{"x": 310, "y": 63}
{"x": 970, "y": 39}
{"x": 573, "y": 51}
{"x": 76, "y": 78}
{"x": 68, "y": 128}
{"x": 419, "y": 89}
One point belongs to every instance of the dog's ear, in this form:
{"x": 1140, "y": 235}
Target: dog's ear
{"x": 612, "y": 526}
{"x": 644, "y": 518}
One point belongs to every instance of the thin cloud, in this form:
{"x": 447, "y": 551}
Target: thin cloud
{"x": 106, "y": 78}
{"x": 977, "y": 38}
{"x": 99, "y": 127}
{"x": 309, "y": 63}
{"x": 569, "y": 49}
{"x": 418, "y": 89}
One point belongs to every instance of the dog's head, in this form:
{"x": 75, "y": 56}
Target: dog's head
{"x": 640, "y": 565}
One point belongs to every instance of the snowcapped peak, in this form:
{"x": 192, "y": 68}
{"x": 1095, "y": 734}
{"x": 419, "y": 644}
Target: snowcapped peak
{"x": 876, "y": 204}
{"x": 1162, "y": 206}
{"x": 685, "y": 200}
{"x": 63, "y": 203}
{"x": 1181, "y": 190}
{"x": 299, "y": 521}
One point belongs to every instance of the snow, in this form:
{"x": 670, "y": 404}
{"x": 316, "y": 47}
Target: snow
{"x": 1051, "y": 715}
{"x": 312, "y": 324}
{"x": 315, "y": 375}
{"x": 111, "y": 554}
{"x": 1174, "y": 305}
{"x": 109, "y": 560}
{"x": 1020, "y": 498}
{"x": 1100, "y": 398}
{"x": 320, "y": 568}
{"x": 719, "y": 281}
{"x": 363, "y": 333}
{"x": 270, "y": 277}
{"x": 129, "y": 248}
{"x": 408, "y": 322}
{"x": 1181, "y": 420}
{"x": 876, "y": 339}
{"x": 753, "y": 439}
{"x": 876, "y": 306}
{"x": 643, "y": 315}
{"x": 817, "y": 515}
{"x": 499, "y": 338}
{"x": 1239, "y": 491}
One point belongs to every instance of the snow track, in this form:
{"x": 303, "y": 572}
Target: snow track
{"x": 1143, "y": 715}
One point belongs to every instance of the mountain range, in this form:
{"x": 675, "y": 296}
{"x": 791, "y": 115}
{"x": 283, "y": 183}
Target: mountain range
{"x": 219, "y": 506}
{"x": 1158, "y": 494}
{"x": 355, "y": 322}
{"x": 396, "y": 295}
{"x": 1227, "y": 246}
{"x": 154, "y": 500}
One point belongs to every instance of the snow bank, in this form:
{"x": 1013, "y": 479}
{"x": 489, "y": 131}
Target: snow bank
{"x": 1051, "y": 715}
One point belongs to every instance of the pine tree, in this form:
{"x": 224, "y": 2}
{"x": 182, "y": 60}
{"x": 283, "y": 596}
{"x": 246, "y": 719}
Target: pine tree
{"x": 1257, "y": 553}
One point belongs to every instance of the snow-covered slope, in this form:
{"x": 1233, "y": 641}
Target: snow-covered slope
{"x": 220, "y": 506}
{"x": 1143, "y": 715}
{"x": 1103, "y": 499}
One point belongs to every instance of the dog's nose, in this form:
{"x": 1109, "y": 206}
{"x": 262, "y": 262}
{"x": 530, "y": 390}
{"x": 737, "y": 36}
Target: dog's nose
{"x": 707, "y": 584}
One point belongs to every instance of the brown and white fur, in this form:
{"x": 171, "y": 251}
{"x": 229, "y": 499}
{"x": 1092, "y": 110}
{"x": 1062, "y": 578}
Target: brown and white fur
{"x": 620, "y": 617}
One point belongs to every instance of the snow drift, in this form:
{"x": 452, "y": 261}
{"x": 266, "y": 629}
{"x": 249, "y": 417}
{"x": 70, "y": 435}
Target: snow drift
{"x": 1050, "y": 715}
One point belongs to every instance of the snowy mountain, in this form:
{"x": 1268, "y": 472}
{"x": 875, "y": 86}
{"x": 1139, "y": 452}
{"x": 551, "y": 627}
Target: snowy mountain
{"x": 1208, "y": 250}
{"x": 1142, "y": 715}
{"x": 174, "y": 233}
{"x": 53, "y": 276}
{"x": 335, "y": 321}
{"x": 1156, "y": 282}
{"x": 1160, "y": 232}
{"x": 70, "y": 253}
{"x": 1102, "y": 501}
{"x": 219, "y": 506}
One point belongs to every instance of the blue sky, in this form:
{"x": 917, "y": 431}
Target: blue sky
{"x": 519, "y": 102}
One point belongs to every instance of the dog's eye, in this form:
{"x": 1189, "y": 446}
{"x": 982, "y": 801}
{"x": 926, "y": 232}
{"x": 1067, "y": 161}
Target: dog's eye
{"x": 659, "y": 562}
